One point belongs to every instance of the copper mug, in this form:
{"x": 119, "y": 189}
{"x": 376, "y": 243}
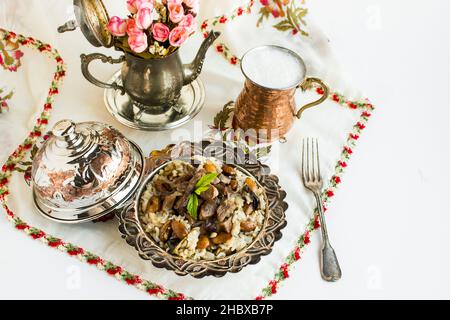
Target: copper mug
{"x": 266, "y": 106}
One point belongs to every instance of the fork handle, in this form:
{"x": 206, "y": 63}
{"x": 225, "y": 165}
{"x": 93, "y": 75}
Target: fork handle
{"x": 329, "y": 264}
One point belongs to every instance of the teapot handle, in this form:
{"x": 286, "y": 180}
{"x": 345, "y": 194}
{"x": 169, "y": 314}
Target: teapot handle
{"x": 87, "y": 59}
{"x": 307, "y": 84}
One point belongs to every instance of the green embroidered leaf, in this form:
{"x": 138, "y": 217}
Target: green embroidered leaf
{"x": 8, "y": 59}
{"x": 8, "y": 96}
{"x": 220, "y": 120}
{"x": 284, "y": 25}
{"x": 192, "y": 206}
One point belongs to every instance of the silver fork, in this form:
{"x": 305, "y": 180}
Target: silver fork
{"x": 329, "y": 264}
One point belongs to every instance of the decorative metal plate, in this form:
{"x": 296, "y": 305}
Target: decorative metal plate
{"x": 147, "y": 248}
{"x": 133, "y": 115}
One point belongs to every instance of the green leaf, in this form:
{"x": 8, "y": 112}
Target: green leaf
{"x": 8, "y": 59}
{"x": 206, "y": 180}
{"x": 284, "y": 25}
{"x": 8, "y": 96}
{"x": 202, "y": 189}
{"x": 192, "y": 206}
{"x": 222, "y": 117}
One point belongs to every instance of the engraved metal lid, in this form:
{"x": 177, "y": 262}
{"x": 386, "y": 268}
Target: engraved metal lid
{"x": 84, "y": 171}
{"x": 92, "y": 18}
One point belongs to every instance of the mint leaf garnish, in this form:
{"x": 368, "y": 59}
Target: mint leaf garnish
{"x": 192, "y": 206}
{"x": 206, "y": 180}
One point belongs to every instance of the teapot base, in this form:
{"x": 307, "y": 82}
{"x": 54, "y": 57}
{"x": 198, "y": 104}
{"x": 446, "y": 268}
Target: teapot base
{"x": 154, "y": 118}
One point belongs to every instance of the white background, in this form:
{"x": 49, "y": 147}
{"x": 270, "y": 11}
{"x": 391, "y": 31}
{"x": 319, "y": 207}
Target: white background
{"x": 390, "y": 224}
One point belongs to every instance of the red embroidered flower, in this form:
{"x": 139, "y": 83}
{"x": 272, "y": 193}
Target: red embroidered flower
{"x": 75, "y": 251}
{"x": 285, "y": 269}
{"x": 320, "y": 91}
{"x": 335, "y": 98}
{"x": 275, "y": 13}
{"x": 155, "y": 290}
{"x": 297, "y": 253}
{"x": 348, "y": 150}
{"x": 330, "y": 193}
{"x": 223, "y": 19}
{"x": 273, "y": 285}
{"x": 354, "y": 136}
{"x": 343, "y": 164}
{"x": 360, "y": 126}
{"x": 94, "y": 260}
{"x": 233, "y": 60}
{"x": 132, "y": 280}
{"x": 219, "y": 48}
{"x": 27, "y": 176}
{"x": 240, "y": 11}
{"x": 21, "y": 226}
{"x": 366, "y": 114}
{"x": 47, "y": 106}
{"x": 337, "y": 179}
{"x": 306, "y": 239}
{"x": 55, "y": 243}
{"x": 114, "y": 270}
{"x": 316, "y": 223}
{"x": 264, "y": 2}
{"x": 37, "y": 234}
{"x": 179, "y": 296}
{"x": 204, "y": 25}
{"x": 294, "y": 32}
{"x": 3, "y": 182}
{"x": 259, "y": 298}
{"x": 352, "y": 105}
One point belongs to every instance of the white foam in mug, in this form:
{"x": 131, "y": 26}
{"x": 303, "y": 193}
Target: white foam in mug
{"x": 273, "y": 67}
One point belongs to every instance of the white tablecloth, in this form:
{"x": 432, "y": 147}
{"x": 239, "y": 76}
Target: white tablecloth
{"x": 373, "y": 274}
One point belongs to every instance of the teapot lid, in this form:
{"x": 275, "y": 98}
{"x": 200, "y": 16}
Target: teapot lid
{"x": 84, "y": 171}
{"x": 92, "y": 18}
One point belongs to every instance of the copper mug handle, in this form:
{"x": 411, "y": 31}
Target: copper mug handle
{"x": 307, "y": 84}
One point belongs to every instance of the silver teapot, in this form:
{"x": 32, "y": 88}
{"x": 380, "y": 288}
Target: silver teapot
{"x": 153, "y": 85}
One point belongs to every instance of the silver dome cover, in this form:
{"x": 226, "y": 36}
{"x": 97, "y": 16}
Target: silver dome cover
{"x": 85, "y": 171}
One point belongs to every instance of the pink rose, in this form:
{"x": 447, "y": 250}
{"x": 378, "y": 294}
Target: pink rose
{"x": 169, "y": 2}
{"x": 134, "y": 5}
{"x": 178, "y": 36}
{"x": 176, "y": 12}
{"x": 138, "y": 42}
{"x": 144, "y": 17}
{"x": 117, "y": 26}
{"x": 189, "y": 23}
{"x": 160, "y": 32}
{"x": 193, "y": 4}
{"x": 132, "y": 27}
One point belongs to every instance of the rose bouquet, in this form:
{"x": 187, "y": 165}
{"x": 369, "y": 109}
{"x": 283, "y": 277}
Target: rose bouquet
{"x": 154, "y": 28}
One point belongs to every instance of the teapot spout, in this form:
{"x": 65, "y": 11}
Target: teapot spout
{"x": 193, "y": 69}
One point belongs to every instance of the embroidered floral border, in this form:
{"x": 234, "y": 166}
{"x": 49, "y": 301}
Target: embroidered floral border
{"x": 118, "y": 272}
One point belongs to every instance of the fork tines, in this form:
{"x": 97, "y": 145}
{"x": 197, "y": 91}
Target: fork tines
{"x": 310, "y": 161}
